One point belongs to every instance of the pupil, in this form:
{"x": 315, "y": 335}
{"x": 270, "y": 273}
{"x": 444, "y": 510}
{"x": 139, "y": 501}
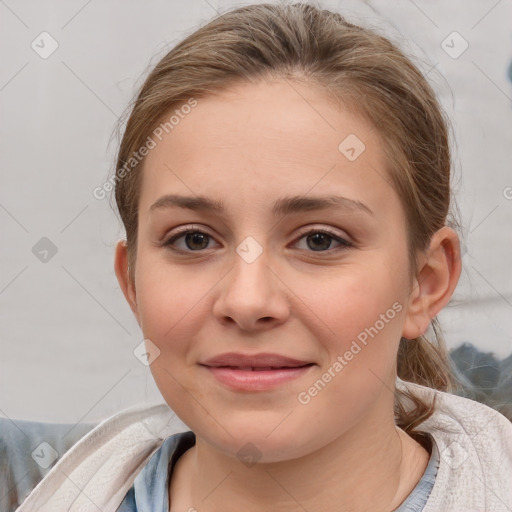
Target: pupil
{"x": 192, "y": 238}
{"x": 319, "y": 237}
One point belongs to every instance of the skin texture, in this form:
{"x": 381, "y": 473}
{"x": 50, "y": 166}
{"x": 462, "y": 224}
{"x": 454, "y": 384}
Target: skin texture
{"x": 248, "y": 147}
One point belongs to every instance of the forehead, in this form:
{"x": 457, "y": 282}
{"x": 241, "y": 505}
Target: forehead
{"x": 256, "y": 141}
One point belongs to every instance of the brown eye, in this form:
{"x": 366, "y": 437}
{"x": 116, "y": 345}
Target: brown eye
{"x": 196, "y": 240}
{"x": 193, "y": 241}
{"x": 321, "y": 241}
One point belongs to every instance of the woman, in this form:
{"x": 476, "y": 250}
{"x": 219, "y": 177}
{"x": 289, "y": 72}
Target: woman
{"x": 284, "y": 183}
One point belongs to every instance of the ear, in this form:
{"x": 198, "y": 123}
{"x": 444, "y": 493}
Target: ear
{"x": 123, "y": 277}
{"x": 438, "y": 275}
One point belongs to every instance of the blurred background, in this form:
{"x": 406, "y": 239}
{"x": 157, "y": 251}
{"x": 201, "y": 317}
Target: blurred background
{"x": 69, "y": 69}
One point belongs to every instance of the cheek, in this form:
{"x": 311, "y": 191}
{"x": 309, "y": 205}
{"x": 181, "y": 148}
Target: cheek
{"x": 170, "y": 300}
{"x": 352, "y": 301}
{"x": 358, "y": 320}
{"x": 357, "y": 323}
{"x": 171, "y": 303}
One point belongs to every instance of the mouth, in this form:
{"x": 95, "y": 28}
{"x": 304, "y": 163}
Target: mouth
{"x": 259, "y": 372}
{"x": 263, "y": 361}
{"x": 261, "y": 368}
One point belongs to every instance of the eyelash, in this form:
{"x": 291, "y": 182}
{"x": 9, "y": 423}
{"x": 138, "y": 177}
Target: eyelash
{"x": 192, "y": 229}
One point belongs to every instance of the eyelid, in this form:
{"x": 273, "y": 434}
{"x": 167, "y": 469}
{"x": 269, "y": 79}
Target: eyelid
{"x": 343, "y": 241}
{"x": 303, "y": 231}
{"x": 183, "y": 230}
{"x": 190, "y": 227}
{"x": 320, "y": 229}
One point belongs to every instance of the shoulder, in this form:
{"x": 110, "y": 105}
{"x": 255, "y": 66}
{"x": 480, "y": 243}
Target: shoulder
{"x": 475, "y": 447}
{"x": 106, "y": 461}
{"x": 28, "y": 449}
{"x": 456, "y": 414}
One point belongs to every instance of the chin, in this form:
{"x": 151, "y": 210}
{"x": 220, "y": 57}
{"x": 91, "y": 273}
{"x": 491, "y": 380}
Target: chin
{"x": 261, "y": 441}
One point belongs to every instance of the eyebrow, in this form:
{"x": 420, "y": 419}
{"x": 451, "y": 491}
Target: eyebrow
{"x": 283, "y": 206}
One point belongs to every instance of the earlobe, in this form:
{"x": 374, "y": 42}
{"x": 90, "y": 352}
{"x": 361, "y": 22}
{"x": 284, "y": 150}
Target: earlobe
{"x": 437, "y": 278}
{"x": 123, "y": 277}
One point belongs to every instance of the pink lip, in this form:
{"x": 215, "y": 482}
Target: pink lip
{"x": 263, "y": 360}
{"x": 256, "y": 372}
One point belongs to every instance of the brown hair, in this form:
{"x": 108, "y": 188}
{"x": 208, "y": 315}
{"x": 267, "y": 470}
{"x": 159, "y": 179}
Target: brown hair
{"x": 352, "y": 65}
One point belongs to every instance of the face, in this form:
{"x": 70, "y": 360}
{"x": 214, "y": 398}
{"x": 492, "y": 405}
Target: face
{"x": 326, "y": 287}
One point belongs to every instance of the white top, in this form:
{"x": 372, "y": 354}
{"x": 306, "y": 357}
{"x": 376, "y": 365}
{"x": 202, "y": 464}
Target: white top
{"x": 474, "y": 443}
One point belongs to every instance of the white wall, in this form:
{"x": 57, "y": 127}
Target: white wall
{"x": 67, "y": 335}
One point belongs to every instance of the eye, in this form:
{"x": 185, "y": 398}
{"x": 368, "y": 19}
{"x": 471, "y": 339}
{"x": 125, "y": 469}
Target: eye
{"x": 319, "y": 240}
{"x": 194, "y": 240}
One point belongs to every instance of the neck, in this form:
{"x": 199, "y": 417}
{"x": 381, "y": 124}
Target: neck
{"x": 364, "y": 469}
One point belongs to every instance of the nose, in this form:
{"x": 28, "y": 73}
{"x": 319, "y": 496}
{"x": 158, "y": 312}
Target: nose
{"x": 252, "y": 296}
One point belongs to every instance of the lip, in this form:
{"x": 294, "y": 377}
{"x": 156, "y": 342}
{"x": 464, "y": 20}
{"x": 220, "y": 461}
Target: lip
{"x": 263, "y": 360}
{"x": 257, "y": 372}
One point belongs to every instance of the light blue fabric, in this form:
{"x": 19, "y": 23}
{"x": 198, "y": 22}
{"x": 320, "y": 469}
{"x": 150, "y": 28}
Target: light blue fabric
{"x": 19, "y": 472}
{"x": 149, "y": 492}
